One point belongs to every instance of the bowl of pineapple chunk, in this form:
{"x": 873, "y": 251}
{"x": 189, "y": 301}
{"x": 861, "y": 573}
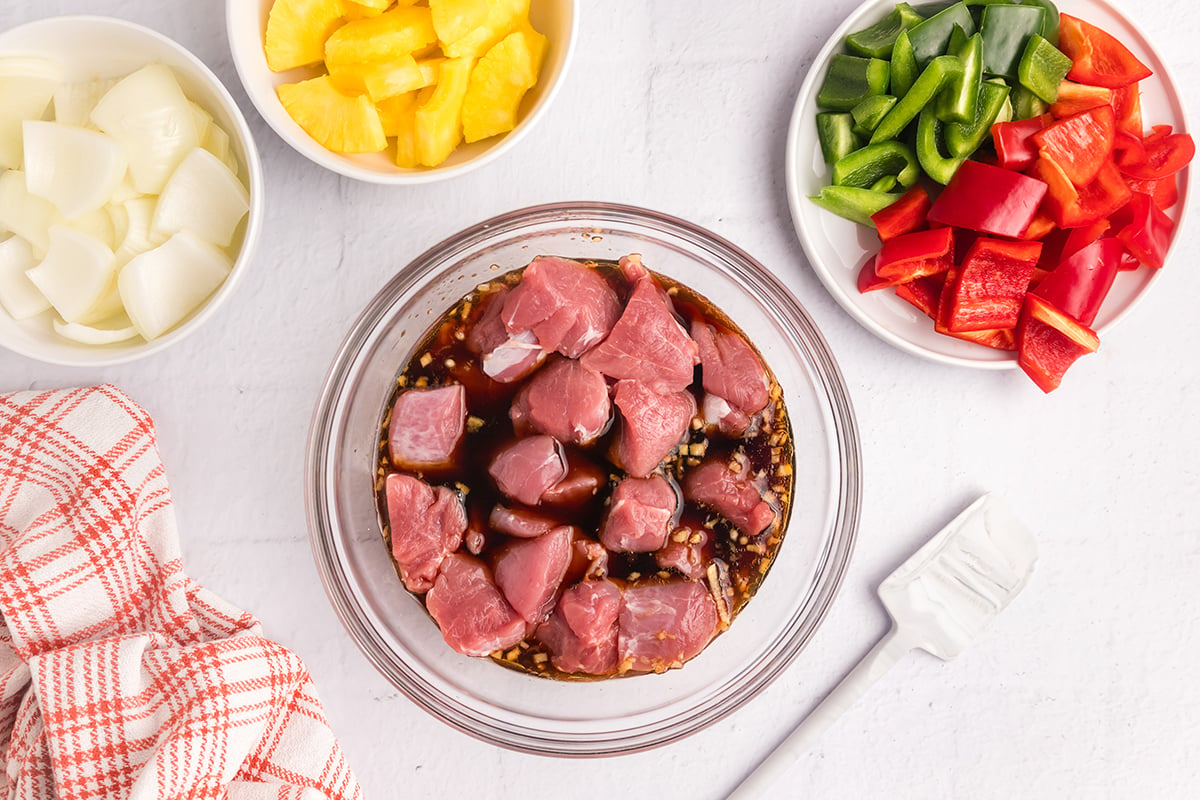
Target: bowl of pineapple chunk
{"x": 401, "y": 91}
{"x": 130, "y": 191}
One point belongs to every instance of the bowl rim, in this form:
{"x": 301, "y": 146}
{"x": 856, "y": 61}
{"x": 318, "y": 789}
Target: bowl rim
{"x": 271, "y": 111}
{"x": 803, "y": 110}
{"x": 843, "y": 434}
{"x": 254, "y": 217}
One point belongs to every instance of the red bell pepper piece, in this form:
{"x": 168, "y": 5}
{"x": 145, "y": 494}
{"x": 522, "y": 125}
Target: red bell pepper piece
{"x": 868, "y": 281}
{"x": 1128, "y": 150}
{"x": 1148, "y": 233}
{"x": 1127, "y": 108}
{"x": 1080, "y": 143}
{"x": 912, "y": 255}
{"x": 903, "y": 216}
{"x": 1164, "y": 191}
{"x": 1081, "y": 237}
{"x": 923, "y": 292}
{"x": 1075, "y": 97}
{"x": 1041, "y": 227}
{"x": 1097, "y": 57}
{"x": 1049, "y": 342}
{"x": 998, "y": 339}
{"x": 991, "y": 285}
{"x": 1015, "y": 148}
{"x": 989, "y": 199}
{"x": 1165, "y": 155}
{"x": 1071, "y": 207}
{"x": 1080, "y": 283}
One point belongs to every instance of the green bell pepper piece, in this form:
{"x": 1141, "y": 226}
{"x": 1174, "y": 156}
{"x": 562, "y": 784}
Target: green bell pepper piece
{"x": 1026, "y": 104}
{"x": 836, "y": 135}
{"x": 885, "y": 184}
{"x": 1006, "y": 30}
{"x": 922, "y": 93}
{"x": 853, "y": 203}
{"x": 958, "y": 97}
{"x": 850, "y": 79}
{"x": 931, "y": 38}
{"x": 930, "y": 138}
{"x": 1042, "y": 68}
{"x": 1049, "y": 30}
{"x": 868, "y": 164}
{"x": 868, "y": 113}
{"x": 877, "y": 41}
{"x": 963, "y": 139}
{"x": 904, "y": 65}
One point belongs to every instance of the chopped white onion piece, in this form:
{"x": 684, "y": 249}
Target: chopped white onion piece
{"x": 202, "y": 197}
{"x": 73, "y": 102}
{"x": 111, "y": 331}
{"x": 97, "y": 224}
{"x": 217, "y": 143}
{"x": 26, "y": 88}
{"x": 20, "y": 298}
{"x": 118, "y": 218}
{"x": 139, "y": 213}
{"x": 151, "y": 116}
{"x": 202, "y": 119}
{"x": 76, "y": 169}
{"x": 162, "y": 286}
{"x": 26, "y": 215}
{"x": 76, "y": 275}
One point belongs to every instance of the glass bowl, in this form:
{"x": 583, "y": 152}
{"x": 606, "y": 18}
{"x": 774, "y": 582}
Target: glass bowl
{"x": 581, "y": 718}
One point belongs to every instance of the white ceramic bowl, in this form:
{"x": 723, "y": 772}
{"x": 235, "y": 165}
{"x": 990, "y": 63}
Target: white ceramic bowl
{"x": 247, "y": 24}
{"x": 101, "y": 47}
{"x": 837, "y": 248}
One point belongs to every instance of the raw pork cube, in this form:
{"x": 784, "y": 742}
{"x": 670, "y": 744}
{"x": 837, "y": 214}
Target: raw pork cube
{"x": 730, "y": 493}
{"x": 581, "y": 634}
{"x": 525, "y": 469}
{"x": 684, "y": 552}
{"x": 505, "y": 357}
{"x": 564, "y": 400}
{"x": 427, "y": 427}
{"x": 652, "y": 425}
{"x": 662, "y": 625}
{"x": 470, "y": 609}
{"x": 568, "y": 306}
{"x": 520, "y": 522}
{"x": 730, "y": 368}
{"x": 583, "y": 480}
{"x": 647, "y": 344}
{"x": 426, "y": 524}
{"x": 530, "y": 571}
{"x": 719, "y": 415}
{"x": 640, "y": 516}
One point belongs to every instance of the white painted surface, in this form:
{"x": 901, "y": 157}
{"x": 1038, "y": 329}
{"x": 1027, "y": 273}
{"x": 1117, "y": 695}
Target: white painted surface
{"x": 1084, "y": 687}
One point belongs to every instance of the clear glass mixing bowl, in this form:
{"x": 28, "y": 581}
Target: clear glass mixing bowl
{"x": 581, "y": 718}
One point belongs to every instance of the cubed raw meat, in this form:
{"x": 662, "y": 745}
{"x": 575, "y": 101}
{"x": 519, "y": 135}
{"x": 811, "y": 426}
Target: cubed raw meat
{"x": 640, "y": 515}
{"x": 426, "y": 427}
{"x": 425, "y": 523}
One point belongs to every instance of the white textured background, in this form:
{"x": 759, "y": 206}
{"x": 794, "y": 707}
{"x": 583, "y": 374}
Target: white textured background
{"x": 1086, "y": 687}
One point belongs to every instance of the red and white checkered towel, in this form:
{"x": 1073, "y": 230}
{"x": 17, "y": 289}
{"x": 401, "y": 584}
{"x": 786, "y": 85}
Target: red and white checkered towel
{"x": 119, "y": 676}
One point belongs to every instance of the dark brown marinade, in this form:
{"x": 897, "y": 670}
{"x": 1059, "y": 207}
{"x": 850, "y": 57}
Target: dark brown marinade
{"x": 443, "y": 358}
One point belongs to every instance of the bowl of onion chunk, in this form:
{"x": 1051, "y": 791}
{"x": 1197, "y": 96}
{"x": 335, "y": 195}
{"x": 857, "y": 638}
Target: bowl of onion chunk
{"x": 130, "y": 196}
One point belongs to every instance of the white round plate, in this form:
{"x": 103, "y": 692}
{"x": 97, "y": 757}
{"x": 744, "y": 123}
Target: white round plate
{"x": 837, "y": 248}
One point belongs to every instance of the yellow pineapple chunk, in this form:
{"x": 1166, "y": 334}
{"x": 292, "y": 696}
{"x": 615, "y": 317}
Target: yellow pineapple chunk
{"x": 339, "y": 122}
{"x": 504, "y": 17}
{"x": 439, "y": 119}
{"x": 297, "y": 30}
{"x": 454, "y": 19}
{"x": 374, "y": 40}
{"x": 397, "y": 112}
{"x": 360, "y": 9}
{"x": 498, "y": 83}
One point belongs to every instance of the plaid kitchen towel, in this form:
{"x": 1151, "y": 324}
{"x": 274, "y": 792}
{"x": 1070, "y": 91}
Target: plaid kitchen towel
{"x": 120, "y": 677}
